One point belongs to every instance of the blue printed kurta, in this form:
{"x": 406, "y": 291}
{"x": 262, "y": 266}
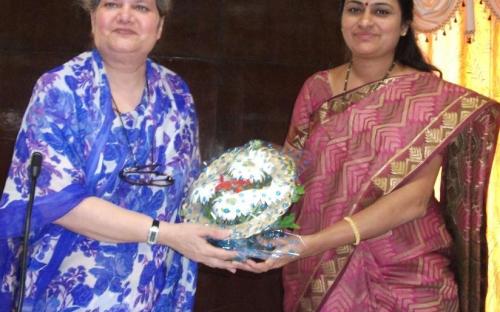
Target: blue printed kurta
{"x": 70, "y": 121}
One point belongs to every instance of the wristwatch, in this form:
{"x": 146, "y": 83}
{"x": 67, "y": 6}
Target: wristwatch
{"x": 153, "y": 232}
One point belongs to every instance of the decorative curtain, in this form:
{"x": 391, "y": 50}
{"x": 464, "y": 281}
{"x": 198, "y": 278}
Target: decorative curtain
{"x": 461, "y": 37}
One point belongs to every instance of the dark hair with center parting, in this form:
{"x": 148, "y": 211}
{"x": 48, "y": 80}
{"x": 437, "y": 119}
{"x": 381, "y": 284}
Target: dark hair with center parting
{"x": 408, "y": 52}
{"x": 162, "y": 5}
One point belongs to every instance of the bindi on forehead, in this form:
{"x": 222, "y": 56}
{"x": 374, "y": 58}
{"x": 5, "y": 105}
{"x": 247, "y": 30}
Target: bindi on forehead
{"x": 359, "y": 2}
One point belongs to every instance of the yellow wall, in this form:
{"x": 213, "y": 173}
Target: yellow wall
{"x": 475, "y": 66}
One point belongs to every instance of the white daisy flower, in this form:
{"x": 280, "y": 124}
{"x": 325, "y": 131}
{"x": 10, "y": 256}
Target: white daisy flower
{"x": 203, "y": 192}
{"x": 230, "y": 206}
{"x": 251, "y": 165}
{"x": 277, "y": 191}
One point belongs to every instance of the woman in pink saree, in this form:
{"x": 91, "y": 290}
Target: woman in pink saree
{"x": 370, "y": 136}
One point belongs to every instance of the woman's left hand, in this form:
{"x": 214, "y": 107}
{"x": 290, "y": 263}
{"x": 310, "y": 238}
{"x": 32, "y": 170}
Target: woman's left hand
{"x": 287, "y": 250}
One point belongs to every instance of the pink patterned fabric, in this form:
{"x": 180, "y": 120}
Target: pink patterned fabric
{"x": 356, "y": 147}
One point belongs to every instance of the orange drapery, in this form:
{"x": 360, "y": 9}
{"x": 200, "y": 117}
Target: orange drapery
{"x": 475, "y": 65}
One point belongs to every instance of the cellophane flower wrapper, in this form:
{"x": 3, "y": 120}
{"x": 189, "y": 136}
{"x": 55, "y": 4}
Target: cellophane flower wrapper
{"x": 263, "y": 245}
{"x": 248, "y": 189}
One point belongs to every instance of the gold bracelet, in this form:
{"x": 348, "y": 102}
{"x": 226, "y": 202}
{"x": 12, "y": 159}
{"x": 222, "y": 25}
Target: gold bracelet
{"x": 355, "y": 229}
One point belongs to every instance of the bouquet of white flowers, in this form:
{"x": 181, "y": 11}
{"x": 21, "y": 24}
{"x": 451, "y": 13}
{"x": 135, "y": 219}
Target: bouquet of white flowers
{"x": 247, "y": 189}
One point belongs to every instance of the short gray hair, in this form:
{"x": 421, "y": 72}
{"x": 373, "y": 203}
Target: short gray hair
{"x": 163, "y": 6}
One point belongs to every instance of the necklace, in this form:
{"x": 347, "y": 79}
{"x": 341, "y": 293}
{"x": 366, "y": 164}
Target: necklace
{"x": 124, "y": 131}
{"x": 348, "y": 73}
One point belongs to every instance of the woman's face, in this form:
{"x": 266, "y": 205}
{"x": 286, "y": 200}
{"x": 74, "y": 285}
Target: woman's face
{"x": 126, "y": 26}
{"x": 372, "y": 28}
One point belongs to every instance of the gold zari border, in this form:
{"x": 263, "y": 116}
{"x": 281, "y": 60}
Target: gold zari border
{"x": 436, "y": 133}
{"x": 337, "y": 104}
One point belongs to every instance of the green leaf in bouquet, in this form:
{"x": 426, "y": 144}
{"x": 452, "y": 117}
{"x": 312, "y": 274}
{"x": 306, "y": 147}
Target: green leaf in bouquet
{"x": 288, "y": 222}
{"x": 255, "y": 144}
{"x": 298, "y": 192}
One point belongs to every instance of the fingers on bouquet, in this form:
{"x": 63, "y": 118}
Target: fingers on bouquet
{"x": 249, "y": 190}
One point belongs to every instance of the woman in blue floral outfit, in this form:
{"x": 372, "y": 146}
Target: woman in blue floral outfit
{"x": 104, "y": 121}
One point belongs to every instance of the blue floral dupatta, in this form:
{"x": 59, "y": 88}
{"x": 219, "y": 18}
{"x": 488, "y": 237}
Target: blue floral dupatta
{"x": 70, "y": 121}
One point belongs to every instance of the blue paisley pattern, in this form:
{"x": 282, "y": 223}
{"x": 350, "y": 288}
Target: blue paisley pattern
{"x": 70, "y": 121}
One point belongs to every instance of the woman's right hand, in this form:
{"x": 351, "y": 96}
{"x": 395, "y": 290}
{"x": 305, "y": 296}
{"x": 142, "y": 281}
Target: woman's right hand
{"x": 191, "y": 241}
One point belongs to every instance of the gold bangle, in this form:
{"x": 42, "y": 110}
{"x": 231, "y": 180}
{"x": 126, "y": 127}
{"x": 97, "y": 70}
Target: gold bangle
{"x": 355, "y": 229}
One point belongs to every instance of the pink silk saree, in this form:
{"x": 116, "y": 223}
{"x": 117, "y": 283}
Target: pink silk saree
{"x": 358, "y": 146}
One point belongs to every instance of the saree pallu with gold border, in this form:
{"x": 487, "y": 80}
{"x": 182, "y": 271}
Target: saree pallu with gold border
{"x": 359, "y": 146}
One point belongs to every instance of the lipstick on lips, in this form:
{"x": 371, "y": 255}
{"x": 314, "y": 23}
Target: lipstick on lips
{"x": 364, "y": 36}
{"x": 125, "y": 31}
